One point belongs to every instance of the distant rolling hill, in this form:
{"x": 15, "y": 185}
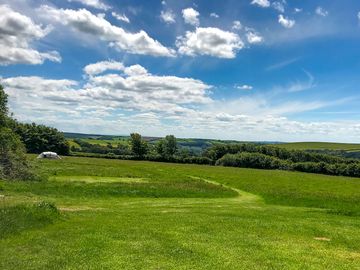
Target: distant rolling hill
{"x": 350, "y": 150}
{"x": 320, "y": 146}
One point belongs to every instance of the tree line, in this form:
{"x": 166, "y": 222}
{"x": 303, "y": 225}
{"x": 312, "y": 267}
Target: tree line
{"x": 272, "y": 157}
{"x": 249, "y": 155}
{"x": 17, "y": 139}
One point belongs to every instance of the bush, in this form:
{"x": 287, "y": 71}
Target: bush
{"x": 262, "y": 161}
{"x": 252, "y": 160}
{"x": 14, "y": 164}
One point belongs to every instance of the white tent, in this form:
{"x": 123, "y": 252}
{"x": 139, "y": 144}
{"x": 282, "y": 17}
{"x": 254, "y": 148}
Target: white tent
{"x": 50, "y": 155}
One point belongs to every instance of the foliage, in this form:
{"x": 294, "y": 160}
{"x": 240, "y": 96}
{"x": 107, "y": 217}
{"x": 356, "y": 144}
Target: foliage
{"x": 167, "y": 147}
{"x": 138, "y": 146}
{"x": 272, "y": 157}
{"x": 40, "y": 138}
{"x": 253, "y": 160}
{"x": 13, "y": 161}
{"x": 3, "y": 107}
{"x": 219, "y": 150}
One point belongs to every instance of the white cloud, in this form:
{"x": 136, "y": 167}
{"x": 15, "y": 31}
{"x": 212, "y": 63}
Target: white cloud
{"x": 100, "y": 67}
{"x": 93, "y": 3}
{"x": 261, "y": 3}
{"x": 190, "y": 16}
{"x": 159, "y": 105}
{"x": 298, "y": 10}
{"x": 244, "y": 87}
{"x": 236, "y": 25}
{"x": 253, "y": 38}
{"x": 167, "y": 16}
{"x": 135, "y": 70}
{"x": 209, "y": 41}
{"x": 132, "y": 89}
{"x": 279, "y": 6}
{"x": 17, "y": 32}
{"x": 84, "y": 21}
{"x": 214, "y": 15}
{"x": 286, "y": 22}
{"x": 321, "y": 11}
{"x": 120, "y": 17}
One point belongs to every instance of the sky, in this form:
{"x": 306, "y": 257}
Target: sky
{"x": 253, "y": 70}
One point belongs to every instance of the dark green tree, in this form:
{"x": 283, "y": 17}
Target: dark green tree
{"x": 3, "y": 107}
{"x": 13, "y": 161}
{"x": 138, "y": 146}
{"x": 167, "y": 147}
{"x": 40, "y": 138}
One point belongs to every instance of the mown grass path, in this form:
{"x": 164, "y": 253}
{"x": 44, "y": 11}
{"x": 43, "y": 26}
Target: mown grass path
{"x": 184, "y": 217}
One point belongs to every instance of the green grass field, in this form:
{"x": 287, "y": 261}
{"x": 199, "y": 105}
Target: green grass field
{"x": 114, "y": 214}
{"x": 320, "y": 146}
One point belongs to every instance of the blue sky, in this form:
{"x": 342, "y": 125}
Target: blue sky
{"x": 247, "y": 69}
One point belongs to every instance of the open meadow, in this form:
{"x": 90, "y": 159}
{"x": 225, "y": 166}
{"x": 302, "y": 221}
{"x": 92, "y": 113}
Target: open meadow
{"x": 112, "y": 214}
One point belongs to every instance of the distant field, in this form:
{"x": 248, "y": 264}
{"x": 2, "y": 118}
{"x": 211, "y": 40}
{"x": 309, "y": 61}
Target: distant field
{"x": 194, "y": 145}
{"x": 320, "y": 146}
{"x": 117, "y": 214}
{"x": 113, "y": 142}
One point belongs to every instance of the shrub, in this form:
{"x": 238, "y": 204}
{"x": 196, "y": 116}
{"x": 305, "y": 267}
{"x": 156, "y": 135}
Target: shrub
{"x": 13, "y": 161}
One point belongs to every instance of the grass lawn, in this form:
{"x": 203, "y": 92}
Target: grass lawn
{"x": 116, "y": 214}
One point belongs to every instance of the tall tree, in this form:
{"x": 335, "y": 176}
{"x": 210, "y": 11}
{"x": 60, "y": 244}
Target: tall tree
{"x": 138, "y": 146}
{"x": 3, "y": 106}
{"x": 167, "y": 147}
{"x": 13, "y": 161}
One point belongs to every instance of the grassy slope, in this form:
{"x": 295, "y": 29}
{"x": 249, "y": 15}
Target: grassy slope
{"x": 170, "y": 224}
{"x": 320, "y": 146}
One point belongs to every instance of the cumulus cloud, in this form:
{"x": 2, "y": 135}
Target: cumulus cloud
{"x": 261, "y": 3}
{"x": 321, "y": 11}
{"x": 84, "y": 21}
{"x": 167, "y": 16}
{"x": 286, "y": 22}
{"x": 135, "y": 70}
{"x": 17, "y": 32}
{"x": 93, "y": 3}
{"x": 190, "y": 16}
{"x": 130, "y": 88}
{"x": 254, "y": 38}
{"x": 298, "y": 10}
{"x": 100, "y": 67}
{"x": 209, "y": 41}
{"x": 236, "y": 25}
{"x": 158, "y": 105}
{"x": 214, "y": 15}
{"x": 120, "y": 17}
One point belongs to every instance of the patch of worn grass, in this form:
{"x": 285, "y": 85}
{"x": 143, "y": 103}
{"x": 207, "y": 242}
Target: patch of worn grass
{"x": 98, "y": 179}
